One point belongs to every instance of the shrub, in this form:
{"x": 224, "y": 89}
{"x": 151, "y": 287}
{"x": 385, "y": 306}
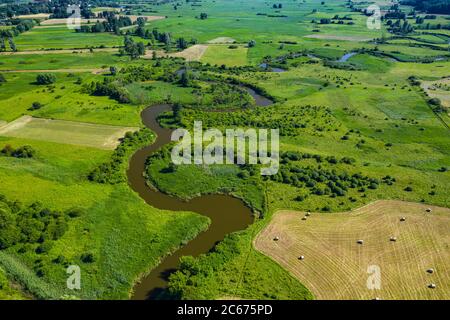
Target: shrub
{"x": 45, "y": 78}
{"x": 35, "y": 106}
{"x": 87, "y": 257}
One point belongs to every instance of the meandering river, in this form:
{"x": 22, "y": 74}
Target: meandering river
{"x": 227, "y": 214}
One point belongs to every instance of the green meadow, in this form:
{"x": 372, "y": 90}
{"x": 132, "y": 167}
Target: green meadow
{"x": 365, "y": 122}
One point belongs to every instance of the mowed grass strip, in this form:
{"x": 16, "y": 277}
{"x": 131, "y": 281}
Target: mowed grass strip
{"x": 68, "y": 132}
{"x": 335, "y": 266}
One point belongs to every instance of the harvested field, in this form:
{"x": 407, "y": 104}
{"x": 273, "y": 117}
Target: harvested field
{"x": 335, "y": 266}
{"x": 194, "y": 53}
{"x": 64, "y": 21}
{"x": 67, "y": 132}
{"x": 34, "y": 16}
{"x": 221, "y": 40}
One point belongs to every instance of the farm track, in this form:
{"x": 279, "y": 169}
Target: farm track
{"x": 335, "y": 266}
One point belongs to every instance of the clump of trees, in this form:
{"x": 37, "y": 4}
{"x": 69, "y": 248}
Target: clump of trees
{"x": 113, "y": 171}
{"x": 131, "y": 48}
{"x": 21, "y": 152}
{"x": 33, "y": 224}
{"x": 45, "y": 78}
{"x": 321, "y": 181}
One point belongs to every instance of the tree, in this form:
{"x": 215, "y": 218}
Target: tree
{"x": 203, "y": 16}
{"x": 251, "y": 43}
{"x": 12, "y": 45}
{"x": 45, "y": 78}
{"x": 35, "y": 106}
{"x": 141, "y": 48}
{"x": 2, "y": 78}
{"x": 185, "y": 79}
{"x": 2, "y": 44}
{"x": 24, "y": 152}
{"x": 113, "y": 70}
{"x": 182, "y": 44}
{"x": 9, "y": 233}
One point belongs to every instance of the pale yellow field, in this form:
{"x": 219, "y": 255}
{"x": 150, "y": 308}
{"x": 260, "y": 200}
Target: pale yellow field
{"x": 221, "y": 40}
{"x": 435, "y": 92}
{"x": 194, "y": 53}
{"x": 64, "y": 21}
{"x": 335, "y": 266}
{"x": 34, "y": 16}
{"x": 67, "y": 132}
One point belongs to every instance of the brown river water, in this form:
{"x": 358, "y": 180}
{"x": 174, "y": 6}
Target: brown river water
{"x": 227, "y": 214}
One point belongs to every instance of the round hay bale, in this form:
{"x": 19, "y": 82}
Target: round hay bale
{"x": 276, "y": 238}
{"x": 308, "y": 214}
{"x": 431, "y": 270}
{"x": 431, "y": 286}
{"x": 301, "y": 258}
{"x": 429, "y": 210}
{"x": 402, "y": 219}
{"x": 393, "y": 239}
{"x": 360, "y": 241}
{"x": 304, "y": 218}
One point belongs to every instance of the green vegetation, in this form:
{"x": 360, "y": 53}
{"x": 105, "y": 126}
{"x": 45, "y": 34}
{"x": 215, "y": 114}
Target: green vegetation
{"x": 113, "y": 171}
{"x": 355, "y": 126}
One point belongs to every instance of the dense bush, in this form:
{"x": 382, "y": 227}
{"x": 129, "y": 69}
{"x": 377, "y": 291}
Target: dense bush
{"x": 45, "y": 78}
{"x": 30, "y": 224}
{"x": 21, "y": 152}
{"x": 113, "y": 171}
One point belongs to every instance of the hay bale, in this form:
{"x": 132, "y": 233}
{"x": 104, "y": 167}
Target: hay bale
{"x": 304, "y": 218}
{"x": 360, "y": 241}
{"x": 428, "y": 210}
{"x": 276, "y": 238}
{"x": 402, "y": 219}
{"x": 308, "y": 214}
{"x": 431, "y": 286}
{"x": 431, "y": 270}
{"x": 393, "y": 239}
{"x": 301, "y": 258}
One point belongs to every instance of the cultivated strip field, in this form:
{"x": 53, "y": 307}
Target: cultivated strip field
{"x": 193, "y": 53}
{"x": 50, "y": 22}
{"x": 335, "y": 266}
{"x": 34, "y": 16}
{"x": 221, "y": 40}
{"x": 68, "y": 132}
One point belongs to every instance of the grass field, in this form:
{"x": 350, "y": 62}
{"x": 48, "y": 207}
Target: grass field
{"x": 335, "y": 265}
{"x": 60, "y": 131}
{"x": 64, "y": 38}
{"x": 65, "y": 101}
{"x": 222, "y": 54}
{"x": 372, "y": 114}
